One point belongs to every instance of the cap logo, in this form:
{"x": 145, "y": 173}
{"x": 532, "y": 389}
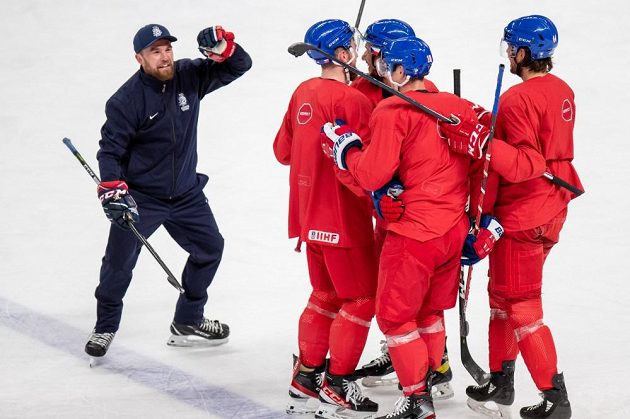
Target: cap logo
{"x": 156, "y": 31}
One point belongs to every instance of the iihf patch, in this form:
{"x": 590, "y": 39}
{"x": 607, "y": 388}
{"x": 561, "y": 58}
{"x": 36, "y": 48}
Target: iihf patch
{"x": 323, "y": 236}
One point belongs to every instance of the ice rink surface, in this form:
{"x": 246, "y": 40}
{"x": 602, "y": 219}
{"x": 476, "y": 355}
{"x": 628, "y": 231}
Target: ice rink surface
{"x": 61, "y": 60}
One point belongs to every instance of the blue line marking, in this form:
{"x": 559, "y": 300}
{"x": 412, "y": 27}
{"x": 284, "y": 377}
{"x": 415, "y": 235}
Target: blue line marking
{"x": 181, "y": 386}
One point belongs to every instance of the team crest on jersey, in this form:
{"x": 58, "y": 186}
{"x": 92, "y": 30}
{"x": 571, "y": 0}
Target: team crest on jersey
{"x": 323, "y": 236}
{"x": 567, "y": 110}
{"x": 182, "y": 102}
{"x": 305, "y": 113}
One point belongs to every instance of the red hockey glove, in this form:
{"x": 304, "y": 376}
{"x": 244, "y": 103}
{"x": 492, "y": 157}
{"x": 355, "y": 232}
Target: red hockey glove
{"x": 387, "y": 203}
{"x": 484, "y": 116}
{"x": 339, "y": 138}
{"x": 118, "y": 205}
{"x": 479, "y": 246}
{"x": 466, "y": 137}
{"x": 391, "y": 208}
{"x": 216, "y": 44}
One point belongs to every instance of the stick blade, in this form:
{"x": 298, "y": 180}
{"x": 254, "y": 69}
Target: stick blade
{"x": 299, "y": 48}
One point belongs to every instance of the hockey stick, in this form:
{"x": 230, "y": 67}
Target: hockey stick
{"x": 170, "y": 277}
{"x": 299, "y": 48}
{"x": 356, "y": 23}
{"x": 563, "y": 183}
{"x": 478, "y": 374}
{"x": 471, "y": 366}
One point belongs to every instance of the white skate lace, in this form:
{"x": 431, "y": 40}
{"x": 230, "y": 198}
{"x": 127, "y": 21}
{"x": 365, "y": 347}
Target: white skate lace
{"x": 102, "y": 339}
{"x": 353, "y": 392}
{"x": 401, "y": 405}
{"x": 212, "y": 326}
{"x": 383, "y": 359}
{"x": 537, "y": 406}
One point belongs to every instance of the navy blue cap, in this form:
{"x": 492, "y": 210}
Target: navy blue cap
{"x": 148, "y": 34}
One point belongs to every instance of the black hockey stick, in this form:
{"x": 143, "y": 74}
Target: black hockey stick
{"x": 299, "y": 48}
{"x": 476, "y": 372}
{"x": 563, "y": 183}
{"x": 356, "y": 23}
{"x": 170, "y": 277}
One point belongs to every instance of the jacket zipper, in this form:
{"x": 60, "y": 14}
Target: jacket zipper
{"x": 173, "y": 141}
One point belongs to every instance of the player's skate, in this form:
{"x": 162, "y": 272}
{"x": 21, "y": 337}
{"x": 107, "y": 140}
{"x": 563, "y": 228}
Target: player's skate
{"x": 415, "y": 406}
{"x": 441, "y": 380}
{"x": 304, "y": 389}
{"x": 380, "y": 371}
{"x": 206, "y": 333}
{"x": 499, "y": 391}
{"x": 97, "y": 345}
{"x": 341, "y": 398}
{"x": 554, "y": 405}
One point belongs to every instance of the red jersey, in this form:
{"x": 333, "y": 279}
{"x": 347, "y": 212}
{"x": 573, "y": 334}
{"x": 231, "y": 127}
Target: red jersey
{"x": 534, "y": 134}
{"x": 325, "y": 204}
{"x": 375, "y": 94}
{"x": 405, "y": 141}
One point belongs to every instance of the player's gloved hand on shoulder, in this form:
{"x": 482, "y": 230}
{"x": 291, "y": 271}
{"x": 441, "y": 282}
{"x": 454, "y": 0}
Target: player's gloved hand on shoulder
{"x": 479, "y": 246}
{"x": 483, "y": 115}
{"x": 337, "y": 138}
{"x": 466, "y": 137}
{"x": 387, "y": 203}
{"x": 216, "y": 44}
{"x": 118, "y": 205}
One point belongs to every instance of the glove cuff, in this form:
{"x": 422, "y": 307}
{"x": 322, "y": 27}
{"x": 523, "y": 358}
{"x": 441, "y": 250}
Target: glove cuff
{"x": 344, "y": 143}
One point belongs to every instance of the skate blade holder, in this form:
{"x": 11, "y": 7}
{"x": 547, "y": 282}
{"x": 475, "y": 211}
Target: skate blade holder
{"x": 331, "y": 411}
{"x": 188, "y": 341}
{"x": 302, "y": 406}
{"x": 490, "y": 409}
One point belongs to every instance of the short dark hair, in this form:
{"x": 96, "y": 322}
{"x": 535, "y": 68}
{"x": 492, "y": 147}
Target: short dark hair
{"x": 543, "y": 65}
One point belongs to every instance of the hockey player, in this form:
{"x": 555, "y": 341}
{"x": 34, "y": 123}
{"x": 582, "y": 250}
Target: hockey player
{"x": 380, "y": 370}
{"x": 148, "y": 150}
{"x": 534, "y": 134}
{"x": 420, "y": 259}
{"x": 333, "y": 216}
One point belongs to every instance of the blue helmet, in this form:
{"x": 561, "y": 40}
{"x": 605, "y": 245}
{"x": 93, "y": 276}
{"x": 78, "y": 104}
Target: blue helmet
{"x": 328, "y": 35}
{"x": 385, "y": 30}
{"x": 535, "y": 32}
{"x": 412, "y": 53}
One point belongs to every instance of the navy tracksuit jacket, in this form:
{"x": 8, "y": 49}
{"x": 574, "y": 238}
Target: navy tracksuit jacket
{"x": 149, "y": 140}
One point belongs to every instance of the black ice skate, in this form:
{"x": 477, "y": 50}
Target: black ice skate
{"x": 207, "y": 333}
{"x": 97, "y": 345}
{"x": 415, "y": 406}
{"x": 554, "y": 405}
{"x": 440, "y": 380}
{"x": 304, "y": 389}
{"x": 500, "y": 390}
{"x": 379, "y": 371}
{"x": 341, "y": 398}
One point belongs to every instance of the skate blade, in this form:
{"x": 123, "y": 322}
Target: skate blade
{"x": 331, "y": 411}
{"x": 95, "y": 361}
{"x": 442, "y": 391}
{"x": 194, "y": 341}
{"x": 302, "y": 405}
{"x": 374, "y": 381}
{"x": 486, "y": 409}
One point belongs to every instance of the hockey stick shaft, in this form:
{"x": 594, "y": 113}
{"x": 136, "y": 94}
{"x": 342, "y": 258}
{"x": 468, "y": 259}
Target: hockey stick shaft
{"x": 170, "y": 277}
{"x": 471, "y": 366}
{"x": 356, "y": 23}
{"x": 475, "y": 371}
{"x": 299, "y": 48}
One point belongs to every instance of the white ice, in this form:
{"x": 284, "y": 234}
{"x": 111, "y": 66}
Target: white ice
{"x": 61, "y": 60}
